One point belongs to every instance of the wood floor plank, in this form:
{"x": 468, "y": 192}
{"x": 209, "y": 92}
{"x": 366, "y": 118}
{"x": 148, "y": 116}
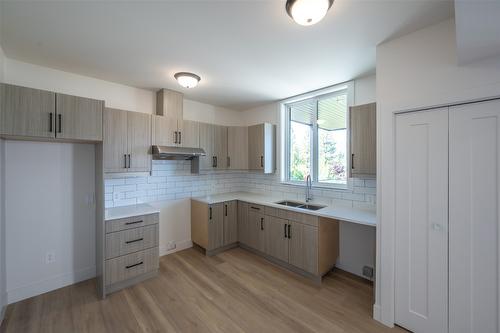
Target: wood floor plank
{"x": 234, "y": 292}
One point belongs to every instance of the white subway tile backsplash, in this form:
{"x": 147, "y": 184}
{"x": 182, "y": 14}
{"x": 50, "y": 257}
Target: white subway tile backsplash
{"x": 173, "y": 180}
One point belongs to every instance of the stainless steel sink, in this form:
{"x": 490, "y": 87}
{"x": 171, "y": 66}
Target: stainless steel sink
{"x": 300, "y": 205}
{"x": 290, "y": 203}
{"x": 311, "y": 207}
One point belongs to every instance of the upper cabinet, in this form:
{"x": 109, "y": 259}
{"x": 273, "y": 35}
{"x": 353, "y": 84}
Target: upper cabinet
{"x": 78, "y": 118}
{"x": 169, "y": 123}
{"x": 213, "y": 140}
{"x": 261, "y": 147}
{"x": 127, "y": 140}
{"x": 34, "y": 113}
{"x": 363, "y": 139}
{"x": 237, "y": 148}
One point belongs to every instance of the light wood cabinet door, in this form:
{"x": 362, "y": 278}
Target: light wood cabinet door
{"x": 189, "y": 133}
{"x": 303, "y": 247}
{"x": 139, "y": 141}
{"x": 256, "y": 229}
{"x": 27, "y": 112}
{"x": 215, "y": 226}
{"x": 165, "y": 131}
{"x": 207, "y": 143}
{"x": 276, "y": 238}
{"x": 78, "y": 118}
{"x": 363, "y": 139}
{"x": 115, "y": 148}
{"x": 170, "y": 103}
{"x": 237, "y": 147}
{"x": 256, "y": 147}
{"x": 243, "y": 222}
{"x": 230, "y": 222}
{"x": 220, "y": 147}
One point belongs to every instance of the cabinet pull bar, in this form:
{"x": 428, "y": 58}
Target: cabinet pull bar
{"x": 125, "y": 158}
{"x": 130, "y": 266}
{"x": 135, "y": 240}
{"x": 285, "y": 231}
{"x": 180, "y": 137}
{"x": 50, "y": 122}
{"x": 256, "y": 208}
{"x": 225, "y": 206}
{"x": 261, "y": 223}
{"x": 289, "y": 231}
{"x": 59, "y": 116}
{"x": 175, "y": 137}
{"x": 213, "y": 161}
{"x": 262, "y": 161}
{"x": 135, "y": 222}
{"x": 129, "y": 161}
{"x": 210, "y": 217}
{"x": 216, "y": 162}
{"x": 352, "y": 161}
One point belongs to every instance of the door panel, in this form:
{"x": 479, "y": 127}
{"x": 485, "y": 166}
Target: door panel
{"x": 230, "y": 222}
{"x": 139, "y": 141}
{"x": 27, "y": 112}
{"x": 207, "y": 144}
{"x": 243, "y": 222}
{"x": 256, "y": 147}
{"x": 237, "y": 147}
{"x": 303, "y": 246}
{"x": 78, "y": 118}
{"x": 189, "y": 134}
{"x": 276, "y": 238}
{"x": 220, "y": 147}
{"x": 363, "y": 139}
{"x": 474, "y": 218}
{"x": 115, "y": 140}
{"x": 164, "y": 129}
{"x": 421, "y": 288}
{"x": 215, "y": 226}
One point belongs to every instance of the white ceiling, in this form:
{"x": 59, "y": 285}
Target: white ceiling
{"x": 478, "y": 27}
{"x": 247, "y": 52}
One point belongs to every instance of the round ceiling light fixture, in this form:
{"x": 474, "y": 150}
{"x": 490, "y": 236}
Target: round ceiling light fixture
{"x": 307, "y": 12}
{"x": 187, "y": 80}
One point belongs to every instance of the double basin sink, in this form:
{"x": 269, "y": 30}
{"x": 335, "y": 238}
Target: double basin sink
{"x": 300, "y": 205}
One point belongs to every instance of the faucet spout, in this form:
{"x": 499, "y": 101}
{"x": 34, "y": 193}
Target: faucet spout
{"x": 308, "y": 188}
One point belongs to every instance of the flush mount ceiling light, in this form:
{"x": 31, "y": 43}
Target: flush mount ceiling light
{"x": 187, "y": 80}
{"x": 307, "y": 12}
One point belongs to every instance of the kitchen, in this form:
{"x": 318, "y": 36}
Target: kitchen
{"x": 179, "y": 202}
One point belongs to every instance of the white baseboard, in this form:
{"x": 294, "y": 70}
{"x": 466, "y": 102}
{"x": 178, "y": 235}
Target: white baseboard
{"x": 56, "y": 282}
{"x": 376, "y": 313}
{"x": 182, "y": 245}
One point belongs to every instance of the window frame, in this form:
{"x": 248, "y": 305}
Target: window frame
{"x": 347, "y": 89}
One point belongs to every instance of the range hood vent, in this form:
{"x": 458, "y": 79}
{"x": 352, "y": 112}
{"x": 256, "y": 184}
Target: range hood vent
{"x": 179, "y": 153}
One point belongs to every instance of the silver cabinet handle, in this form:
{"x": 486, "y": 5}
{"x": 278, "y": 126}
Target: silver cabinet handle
{"x": 180, "y": 137}
{"x": 129, "y": 161}
{"x": 125, "y": 159}
{"x": 59, "y": 116}
{"x": 51, "y": 115}
{"x": 352, "y": 161}
{"x": 175, "y": 137}
{"x": 262, "y": 161}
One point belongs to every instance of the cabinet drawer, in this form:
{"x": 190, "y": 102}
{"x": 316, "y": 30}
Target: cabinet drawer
{"x": 131, "y": 222}
{"x": 131, "y": 265}
{"x": 275, "y": 212}
{"x": 132, "y": 240}
{"x": 302, "y": 218}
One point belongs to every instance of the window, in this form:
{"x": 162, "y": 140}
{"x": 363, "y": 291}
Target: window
{"x": 316, "y": 139}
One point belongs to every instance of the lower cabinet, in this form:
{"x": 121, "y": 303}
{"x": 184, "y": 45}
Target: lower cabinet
{"x": 303, "y": 245}
{"x": 130, "y": 253}
{"x": 214, "y": 226}
{"x": 276, "y": 238}
{"x": 306, "y": 242}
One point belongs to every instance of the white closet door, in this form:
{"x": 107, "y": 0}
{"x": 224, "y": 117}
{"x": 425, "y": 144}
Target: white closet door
{"x": 474, "y": 218}
{"x": 421, "y": 295}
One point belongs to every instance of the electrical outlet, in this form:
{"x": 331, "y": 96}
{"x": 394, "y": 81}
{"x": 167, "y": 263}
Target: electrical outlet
{"x": 50, "y": 257}
{"x": 368, "y": 271}
{"x": 171, "y": 246}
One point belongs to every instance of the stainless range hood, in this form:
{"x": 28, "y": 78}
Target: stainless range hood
{"x": 179, "y": 153}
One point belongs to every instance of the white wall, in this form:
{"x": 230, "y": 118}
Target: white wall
{"x": 207, "y": 113}
{"x": 48, "y": 207}
{"x": 416, "y": 71}
{"x": 3, "y": 295}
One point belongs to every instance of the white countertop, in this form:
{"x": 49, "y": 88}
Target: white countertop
{"x": 128, "y": 211}
{"x": 359, "y": 216}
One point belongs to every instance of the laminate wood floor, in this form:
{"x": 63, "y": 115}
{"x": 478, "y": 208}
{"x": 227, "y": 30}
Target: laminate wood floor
{"x": 235, "y": 291}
